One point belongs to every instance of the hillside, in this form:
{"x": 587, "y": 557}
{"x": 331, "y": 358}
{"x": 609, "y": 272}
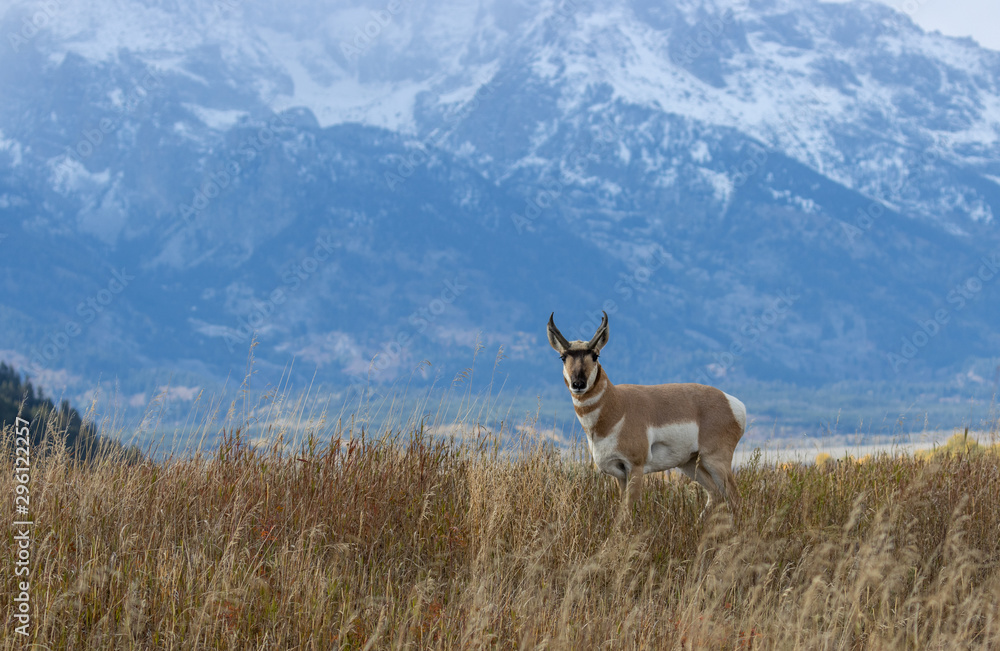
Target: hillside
{"x": 49, "y": 424}
{"x": 784, "y": 191}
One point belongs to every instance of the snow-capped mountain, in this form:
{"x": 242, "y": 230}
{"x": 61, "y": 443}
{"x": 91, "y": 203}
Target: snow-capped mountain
{"x": 774, "y": 189}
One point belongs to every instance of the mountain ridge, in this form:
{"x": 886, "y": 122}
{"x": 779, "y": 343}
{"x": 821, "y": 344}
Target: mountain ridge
{"x": 776, "y": 191}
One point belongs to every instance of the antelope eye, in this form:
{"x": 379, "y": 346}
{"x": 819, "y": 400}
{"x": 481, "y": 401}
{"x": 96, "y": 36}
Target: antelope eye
{"x": 563, "y": 357}
{"x": 595, "y": 356}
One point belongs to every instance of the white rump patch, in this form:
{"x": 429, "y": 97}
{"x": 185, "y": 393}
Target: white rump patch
{"x": 671, "y": 445}
{"x": 739, "y": 411}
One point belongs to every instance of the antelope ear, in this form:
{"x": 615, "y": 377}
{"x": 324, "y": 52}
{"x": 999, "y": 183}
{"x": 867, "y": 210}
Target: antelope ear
{"x": 556, "y": 340}
{"x": 600, "y": 339}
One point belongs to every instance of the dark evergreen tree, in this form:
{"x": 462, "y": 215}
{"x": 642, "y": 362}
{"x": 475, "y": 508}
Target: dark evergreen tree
{"x": 19, "y": 398}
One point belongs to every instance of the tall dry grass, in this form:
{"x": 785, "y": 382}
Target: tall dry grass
{"x": 385, "y": 540}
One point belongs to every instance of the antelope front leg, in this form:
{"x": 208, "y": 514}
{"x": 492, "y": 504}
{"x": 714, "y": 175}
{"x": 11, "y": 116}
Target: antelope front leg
{"x": 630, "y": 488}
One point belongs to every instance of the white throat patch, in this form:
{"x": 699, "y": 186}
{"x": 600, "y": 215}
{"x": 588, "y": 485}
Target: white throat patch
{"x": 589, "y": 401}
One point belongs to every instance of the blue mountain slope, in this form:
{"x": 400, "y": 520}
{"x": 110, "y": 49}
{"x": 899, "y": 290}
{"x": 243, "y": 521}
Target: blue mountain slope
{"x": 807, "y": 194}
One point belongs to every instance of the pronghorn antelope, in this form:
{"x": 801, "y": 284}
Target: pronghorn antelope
{"x": 634, "y": 429}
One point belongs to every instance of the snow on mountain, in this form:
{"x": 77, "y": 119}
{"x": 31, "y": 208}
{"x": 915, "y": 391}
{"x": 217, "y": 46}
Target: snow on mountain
{"x": 799, "y": 76}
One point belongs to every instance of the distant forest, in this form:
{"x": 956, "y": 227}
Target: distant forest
{"x": 19, "y": 397}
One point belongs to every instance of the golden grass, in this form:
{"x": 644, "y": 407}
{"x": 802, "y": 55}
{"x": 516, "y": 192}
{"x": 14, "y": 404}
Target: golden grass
{"x": 961, "y": 444}
{"x": 406, "y": 541}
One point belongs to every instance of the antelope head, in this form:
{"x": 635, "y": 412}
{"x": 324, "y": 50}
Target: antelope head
{"x": 581, "y": 368}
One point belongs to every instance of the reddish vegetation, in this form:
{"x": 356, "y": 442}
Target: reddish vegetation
{"x": 412, "y": 541}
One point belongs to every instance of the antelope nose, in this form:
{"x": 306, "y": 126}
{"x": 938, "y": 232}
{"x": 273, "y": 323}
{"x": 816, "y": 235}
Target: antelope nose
{"x": 579, "y": 385}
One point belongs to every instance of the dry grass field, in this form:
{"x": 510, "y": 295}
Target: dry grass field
{"x": 398, "y": 540}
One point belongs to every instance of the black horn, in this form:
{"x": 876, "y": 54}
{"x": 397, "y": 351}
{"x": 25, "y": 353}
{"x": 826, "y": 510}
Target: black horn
{"x": 601, "y": 336}
{"x": 555, "y": 335}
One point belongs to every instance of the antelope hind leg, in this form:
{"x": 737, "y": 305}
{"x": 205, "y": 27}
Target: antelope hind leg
{"x": 697, "y": 472}
{"x": 634, "y": 487}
